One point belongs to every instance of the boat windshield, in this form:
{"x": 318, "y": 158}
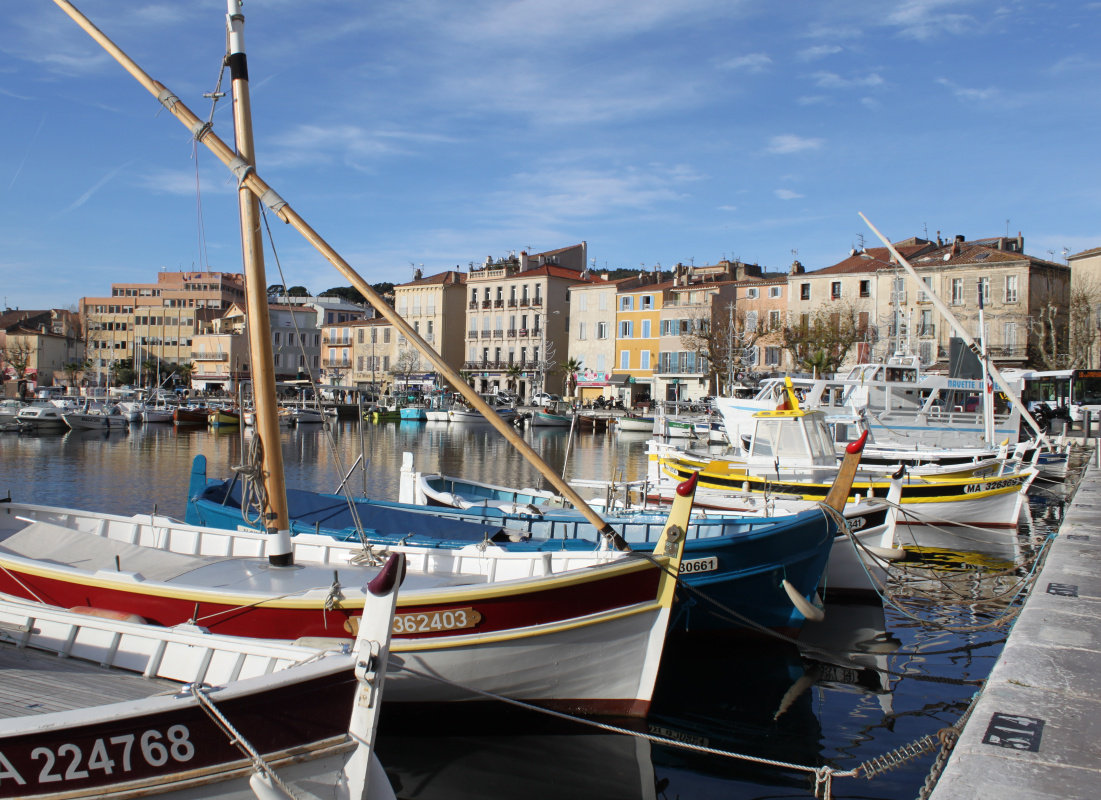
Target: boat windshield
{"x": 818, "y": 435}
{"x": 778, "y": 438}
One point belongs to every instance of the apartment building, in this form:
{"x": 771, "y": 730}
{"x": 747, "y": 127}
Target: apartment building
{"x": 220, "y": 357}
{"x": 760, "y": 314}
{"x": 146, "y": 321}
{"x": 1015, "y": 288}
{"x": 36, "y": 346}
{"x": 592, "y": 336}
{"x": 518, "y": 320}
{"x": 436, "y": 308}
{"x": 854, "y": 286}
{"x": 638, "y": 333}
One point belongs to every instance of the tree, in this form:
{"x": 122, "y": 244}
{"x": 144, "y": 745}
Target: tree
{"x": 186, "y": 370}
{"x": 723, "y": 340}
{"x": 15, "y": 356}
{"x": 1083, "y": 321}
{"x": 73, "y": 371}
{"x": 571, "y": 368}
{"x": 277, "y": 290}
{"x": 298, "y": 291}
{"x": 1048, "y": 346}
{"x": 820, "y": 342}
{"x": 512, "y": 376}
{"x": 407, "y": 363}
{"x": 149, "y": 369}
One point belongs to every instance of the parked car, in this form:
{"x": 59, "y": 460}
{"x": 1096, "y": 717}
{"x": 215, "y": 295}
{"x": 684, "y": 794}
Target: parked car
{"x": 544, "y": 399}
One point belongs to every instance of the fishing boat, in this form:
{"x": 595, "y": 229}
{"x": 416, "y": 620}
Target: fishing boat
{"x": 98, "y": 419}
{"x": 190, "y": 415}
{"x": 630, "y": 422}
{"x": 791, "y": 452}
{"x": 133, "y": 410}
{"x": 105, "y": 705}
{"x": 413, "y": 412}
{"x": 740, "y": 561}
{"x": 387, "y": 409}
{"x": 304, "y": 415}
{"x": 224, "y": 417}
{"x": 9, "y": 409}
{"x": 41, "y": 417}
{"x": 556, "y": 414}
{"x": 460, "y": 413}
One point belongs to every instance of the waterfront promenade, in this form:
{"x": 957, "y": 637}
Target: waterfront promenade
{"x": 1035, "y": 732}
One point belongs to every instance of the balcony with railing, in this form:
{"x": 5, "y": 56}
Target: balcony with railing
{"x": 927, "y": 330}
{"x": 485, "y": 334}
{"x": 336, "y": 341}
{"x": 203, "y": 356}
{"x": 512, "y": 302}
{"x": 338, "y": 363}
{"x": 1015, "y": 352}
{"x": 498, "y": 303}
{"x": 472, "y": 334}
{"x": 498, "y": 333}
{"x": 524, "y": 302}
{"x": 537, "y": 301}
{"x": 487, "y": 303}
{"x": 473, "y": 304}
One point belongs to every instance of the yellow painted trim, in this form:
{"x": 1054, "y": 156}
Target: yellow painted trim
{"x": 399, "y": 645}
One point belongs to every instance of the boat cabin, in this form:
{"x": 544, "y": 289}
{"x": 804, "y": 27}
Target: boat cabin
{"x": 792, "y": 437}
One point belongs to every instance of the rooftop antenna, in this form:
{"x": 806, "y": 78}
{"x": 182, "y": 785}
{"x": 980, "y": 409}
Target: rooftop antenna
{"x": 1007, "y": 229}
{"x": 794, "y": 252}
{"x": 860, "y": 236}
{"x": 1066, "y": 253}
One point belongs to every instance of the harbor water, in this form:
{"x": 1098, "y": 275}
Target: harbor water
{"x": 869, "y": 680}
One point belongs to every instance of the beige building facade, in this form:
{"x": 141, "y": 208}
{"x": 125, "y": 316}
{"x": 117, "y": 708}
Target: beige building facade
{"x": 518, "y": 320}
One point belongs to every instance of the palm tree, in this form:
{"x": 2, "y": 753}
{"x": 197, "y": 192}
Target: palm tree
{"x": 512, "y": 376}
{"x": 74, "y": 369}
{"x": 571, "y": 368}
{"x": 149, "y": 369}
{"x": 186, "y": 371}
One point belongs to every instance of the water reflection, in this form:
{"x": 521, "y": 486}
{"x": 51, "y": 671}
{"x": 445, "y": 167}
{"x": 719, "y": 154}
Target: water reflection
{"x": 859, "y": 686}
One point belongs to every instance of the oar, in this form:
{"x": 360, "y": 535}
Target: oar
{"x": 247, "y": 177}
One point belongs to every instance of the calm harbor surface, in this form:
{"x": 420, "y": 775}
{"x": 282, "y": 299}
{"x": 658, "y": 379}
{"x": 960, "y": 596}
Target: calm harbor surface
{"x": 892, "y": 679}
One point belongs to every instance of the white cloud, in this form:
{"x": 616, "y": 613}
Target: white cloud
{"x": 969, "y": 95}
{"x": 789, "y": 143}
{"x": 815, "y": 53}
{"x": 787, "y": 194}
{"x": 924, "y": 19}
{"x": 830, "y": 80}
{"x": 84, "y": 198}
{"x": 753, "y": 62}
{"x": 728, "y": 208}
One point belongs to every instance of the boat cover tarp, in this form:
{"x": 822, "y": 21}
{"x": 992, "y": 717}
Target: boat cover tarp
{"x": 55, "y": 544}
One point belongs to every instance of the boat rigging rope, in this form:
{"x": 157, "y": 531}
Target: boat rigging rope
{"x": 823, "y": 776}
{"x": 199, "y": 692}
{"x": 329, "y": 437}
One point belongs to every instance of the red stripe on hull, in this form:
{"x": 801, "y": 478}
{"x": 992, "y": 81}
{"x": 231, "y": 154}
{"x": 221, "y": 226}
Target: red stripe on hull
{"x": 510, "y": 612}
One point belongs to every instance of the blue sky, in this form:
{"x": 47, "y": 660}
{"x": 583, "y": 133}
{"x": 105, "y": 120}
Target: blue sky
{"x": 438, "y": 133}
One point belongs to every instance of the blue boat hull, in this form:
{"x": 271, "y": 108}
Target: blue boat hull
{"x": 732, "y": 574}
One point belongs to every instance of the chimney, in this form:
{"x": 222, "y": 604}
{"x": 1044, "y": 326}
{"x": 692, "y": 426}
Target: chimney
{"x": 525, "y": 261}
{"x": 1020, "y": 242}
{"x": 796, "y": 268}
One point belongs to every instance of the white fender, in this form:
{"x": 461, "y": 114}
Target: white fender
{"x": 812, "y": 612}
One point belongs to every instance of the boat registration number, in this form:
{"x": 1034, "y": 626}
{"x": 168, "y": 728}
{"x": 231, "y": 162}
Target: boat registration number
{"x": 694, "y": 565}
{"x": 435, "y": 621}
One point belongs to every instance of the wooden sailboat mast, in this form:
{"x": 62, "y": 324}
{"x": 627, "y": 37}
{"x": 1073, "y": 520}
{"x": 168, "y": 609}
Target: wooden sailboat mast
{"x": 247, "y": 178}
{"x": 276, "y": 515}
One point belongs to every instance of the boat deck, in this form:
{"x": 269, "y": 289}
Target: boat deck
{"x": 66, "y": 547}
{"x": 37, "y": 682}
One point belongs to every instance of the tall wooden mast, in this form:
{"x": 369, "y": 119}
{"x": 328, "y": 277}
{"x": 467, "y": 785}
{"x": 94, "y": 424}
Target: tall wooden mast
{"x": 276, "y": 515}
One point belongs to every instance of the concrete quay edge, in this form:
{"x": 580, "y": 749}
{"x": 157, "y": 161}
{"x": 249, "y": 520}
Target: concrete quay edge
{"x": 1035, "y": 732}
